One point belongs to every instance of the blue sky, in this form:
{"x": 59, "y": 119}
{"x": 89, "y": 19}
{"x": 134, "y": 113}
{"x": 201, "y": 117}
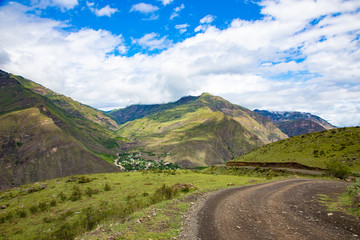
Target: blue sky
{"x": 268, "y": 54}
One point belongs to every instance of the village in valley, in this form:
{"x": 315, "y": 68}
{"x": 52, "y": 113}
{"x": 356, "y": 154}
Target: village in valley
{"x": 131, "y": 162}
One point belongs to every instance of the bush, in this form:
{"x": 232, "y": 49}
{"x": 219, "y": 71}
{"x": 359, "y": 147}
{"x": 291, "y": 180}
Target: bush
{"x": 84, "y": 179}
{"x": 354, "y": 192}
{"x": 65, "y": 231}
{"x": 107, "y": 187}
{"x": 43, "y": 206}
{"x": 21, "y": 213}
{"x": 337, "y": 169}
{"x": 89, "y": 191}
{"x": 164, "y": 193}
{"x": 76, "y": 194}
{"x": 33, "y": 209}
{"x": 53, "y": 203}
{"x": 62, "y": 196}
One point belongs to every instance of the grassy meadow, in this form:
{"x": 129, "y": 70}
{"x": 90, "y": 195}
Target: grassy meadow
{"x": 134, "y": 205}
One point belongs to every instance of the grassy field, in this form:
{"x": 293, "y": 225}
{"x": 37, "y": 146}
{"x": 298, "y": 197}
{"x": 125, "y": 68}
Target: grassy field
{"x": 314, "y": 149}
{"x": 109, "y": 203}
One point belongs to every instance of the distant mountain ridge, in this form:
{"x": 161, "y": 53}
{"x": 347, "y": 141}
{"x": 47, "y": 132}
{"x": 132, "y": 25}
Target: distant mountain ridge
{"x": 137, "y": 111}
{"x": 296, "y": 123}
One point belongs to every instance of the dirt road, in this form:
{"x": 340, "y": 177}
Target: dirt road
{"x": 286, "y": 209}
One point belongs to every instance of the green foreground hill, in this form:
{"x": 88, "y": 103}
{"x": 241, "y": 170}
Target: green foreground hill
{"x": 313, "y": 149}
{"x": 197, "y": 131}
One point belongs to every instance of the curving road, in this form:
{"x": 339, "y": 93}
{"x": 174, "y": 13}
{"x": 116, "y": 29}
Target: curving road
{"x": 286, "y": 209}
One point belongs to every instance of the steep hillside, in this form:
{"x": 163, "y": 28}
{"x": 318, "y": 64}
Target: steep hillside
{"x": 203, "y": 130}
{"x": 313, "y": 149}
{"x": 72, "y": 107}
{"x": 296, "y": 123}
{"x": 39, "y": 139}
{"x": 35, "y": 149}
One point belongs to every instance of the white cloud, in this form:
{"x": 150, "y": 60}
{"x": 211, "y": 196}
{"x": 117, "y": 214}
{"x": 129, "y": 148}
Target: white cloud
{"x": 205, "y": 23}
{"x": 143, "y": 8}
{"x": 105, "y": 11}
{"x": 63, "y": 4}
{"x": 182, "y": 27}
{"x": 166, "y": 2}
{"x": 152, "y": 41}
{"x": 285, "y": 61}
{"x": 207, "y": 19}
{"x": 176, "y": 11}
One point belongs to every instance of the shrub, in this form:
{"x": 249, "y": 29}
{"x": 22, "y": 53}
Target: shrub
{"x": 354, "y": 192}
{"x": 84, "y": 179}
{"x": 107, "y": 187}
{"x": 7, "y": 218}
{"x": 76, "y": 194}
{"x": 65, "y": 231}
{"x": 21, "y": 213}
{"x": 89, "y": 191}
{"x": 33, "y": 209}
{"x": 62, "y": 196}
{"x": 53, "y": 203}
{"x": 47, "y": 220}
{"x": 43, "y": 206}
{"x": 337, "y": 169}
{"x": 164, "y": 193}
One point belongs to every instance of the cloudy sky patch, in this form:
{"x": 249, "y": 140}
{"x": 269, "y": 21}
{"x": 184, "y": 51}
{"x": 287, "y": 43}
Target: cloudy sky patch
{"x": 287, "y": 55}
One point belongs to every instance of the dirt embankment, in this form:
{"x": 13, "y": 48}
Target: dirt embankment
{"x": 286, "y": 209}
{"x": 273, "y": 165}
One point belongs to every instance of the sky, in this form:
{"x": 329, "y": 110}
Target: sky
{"x": 279, "y": 55}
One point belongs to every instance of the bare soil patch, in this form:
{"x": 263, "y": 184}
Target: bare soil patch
{"x": 286, "y": 209}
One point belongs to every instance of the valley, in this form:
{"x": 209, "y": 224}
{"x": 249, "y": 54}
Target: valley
{"x": 69, "y": 171}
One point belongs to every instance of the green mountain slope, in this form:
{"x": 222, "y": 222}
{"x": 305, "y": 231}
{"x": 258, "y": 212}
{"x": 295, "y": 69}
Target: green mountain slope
{"x": 27, "y": 115}
{"x": 296, "y": 123}
{"x": 313, "y": 149}
{"x": 203, "y": 130}
{"x": 70, "y": 106}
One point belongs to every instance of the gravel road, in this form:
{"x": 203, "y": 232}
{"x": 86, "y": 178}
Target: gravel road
{"x": 286, "y": 209}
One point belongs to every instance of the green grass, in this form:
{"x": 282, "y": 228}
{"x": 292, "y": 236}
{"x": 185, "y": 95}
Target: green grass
{"x": 314, "y": 149}
{"x": 66, "y": 202}
{"x": 347, "y": 202}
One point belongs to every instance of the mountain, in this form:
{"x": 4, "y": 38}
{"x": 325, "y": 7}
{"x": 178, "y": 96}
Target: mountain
{"x": 72, "y": 107}
{"x": 41, "y": 140}
{"x": 137, "y": 111}
{"x": 312, "y": 149}
{"x": 195, "y": 131}
{"x": 296, "y": 123}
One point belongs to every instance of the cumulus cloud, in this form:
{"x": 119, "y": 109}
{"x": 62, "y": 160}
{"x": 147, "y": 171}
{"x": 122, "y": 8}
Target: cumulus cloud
{"x": 302, "y": 55}
{"x": 207, "y": 19}
{"x": 177, "y": 11}
{"x": 205, "y": 23}
{"x": 152, "y": 41}
{"x": 166, "y": 2}
{"x": 63, "y": 4}
{"x": 146, "y": 9}
{"x": 143, "y": 8}
{"x": 105, "y": 11}
{"x": 182, "y": 27}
